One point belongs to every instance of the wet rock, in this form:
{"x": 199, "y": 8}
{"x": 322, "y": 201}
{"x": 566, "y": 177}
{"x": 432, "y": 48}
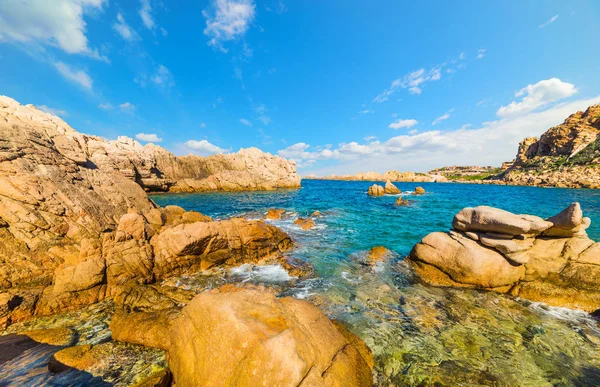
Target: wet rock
{"x": 401, "y": 202}
{"x": 377, "y": 254}
{"x": 391, "y": 189}
{"x": 316, "y": 214}
{"x": 500, "y": 251}
{"x": 297, "y": 267}
{"x": 304, "y": 223}
{"x": 376, "y": 190}
{"x": 275, "y": 213}
{"x": 419, "y": 191}
{"x": 52, "y": 336}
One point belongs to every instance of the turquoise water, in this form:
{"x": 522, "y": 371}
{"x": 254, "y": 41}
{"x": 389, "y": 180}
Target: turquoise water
{"x": 419, "y": 335}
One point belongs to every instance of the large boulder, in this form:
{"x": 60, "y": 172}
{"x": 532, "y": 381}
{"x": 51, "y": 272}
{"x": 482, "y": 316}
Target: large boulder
{"x": 376, "y": 190}
{"x": 551, "y": 261}
{"x": 234, "y": 336}
{"x": 391, "y": 189}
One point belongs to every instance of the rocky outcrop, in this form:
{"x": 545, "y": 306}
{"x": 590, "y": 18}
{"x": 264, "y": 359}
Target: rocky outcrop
{"x": 419, "y": 191}
{"x": 376, "y": 190}
{"x": 234, "y": 336}
{"x": 550, "y": 260}
{"x": 566, "y": 155}
{"x": 74, "y": 227}
{"x": 305, "y": 223}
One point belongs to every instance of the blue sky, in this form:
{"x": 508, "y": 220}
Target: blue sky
{"x": 338, "y": 86}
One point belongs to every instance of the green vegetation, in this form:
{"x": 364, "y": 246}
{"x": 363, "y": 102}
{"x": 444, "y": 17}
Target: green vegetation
{"x": 589, "y": 155}
{"x": 479, "y": 176}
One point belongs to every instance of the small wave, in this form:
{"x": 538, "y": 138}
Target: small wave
{"x": 266, "y": 273}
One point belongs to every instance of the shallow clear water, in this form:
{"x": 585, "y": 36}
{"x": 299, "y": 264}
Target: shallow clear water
{"x": 419, "y": 335}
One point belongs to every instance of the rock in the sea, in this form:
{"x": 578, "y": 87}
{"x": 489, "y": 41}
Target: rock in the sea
{"x": 391, "y": 189}
{"x": 419, "y": 191}
{"x": 376, "y": 190}
{"x": 401, "y": 202}
{"x": 316, "y": 214}
{"x": 52, "y": 336}
{"x": 275, "y": 213}
{"x": 234, "y": 336}
{"x": 377, "y": 254}
{"x": 521, "y": 254}
{"x": 304, "y": 223}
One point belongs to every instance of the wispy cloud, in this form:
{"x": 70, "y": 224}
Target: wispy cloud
{"x": 366, "y": 111}
{"x": 412, "y": 81}
{"x": 79, "y": 77}
{"x": 105, "y": 106}
{"x": 162, "y": 77}
{"x": 145, "y": 13}
{"x": 550, "y": 21}
{"x": 538, "y": 95}
{"x": 443, "y": 117}
{"x": 398, "y": 124}
{"x": 245, "y": 122}
{"x": 228, "y": 20}
{"x": 49, "y": 110}
{"x": 127, "y": 107}
{"x": 124, "y": 29}
{"x": 148, "y": 137}
{"x": 481, "y": 53}
{"x": 203, "y": 147}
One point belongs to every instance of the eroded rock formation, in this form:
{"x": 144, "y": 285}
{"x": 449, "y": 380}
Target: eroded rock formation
{"x": 549, "y": 260}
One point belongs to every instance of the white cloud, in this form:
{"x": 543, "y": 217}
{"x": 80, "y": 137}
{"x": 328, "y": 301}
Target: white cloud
{"x": 403, "y": 124}
{"x": 47, "y": 22}
{"x": 204, "y": 147}
{"x": 370, "y": 138}
{"x": 105, "y": 106}
{"x": 480, "y": 53}
{"x": 49, "y": 110}
{"x": 491, "y": 144}
{"x": 124, "y": 29}
{"x": 266, "y": 120}
{"x": 411, "y": 81}
{"x": 261, "y": 109}
{"x": 76, "y": 76}
{"x": 228, "y": 20}
{"x": 443, "y": 117}
{"x": 148, "y": 137}
{"x": 245, "y": 122}
{"x": 203, "y": 125}
{"x": 547, "y": 23}
{"x": 538, "y": 95}
{"x": 146, "y": 14}
{"x": 127, "y": 107}
{"x": 367, "y": 111}
{"x": 163, "y": 77}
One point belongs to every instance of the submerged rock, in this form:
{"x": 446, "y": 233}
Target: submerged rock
{"x": 376, "y": 190}
{"x": 401, "y": 202}
{"x": 250, "y": 337}
{"x": 275, "y": 213}
{"x": 304, "y": 223}
{"x": 521, "y": 254}
{"x": 377, "y": 254}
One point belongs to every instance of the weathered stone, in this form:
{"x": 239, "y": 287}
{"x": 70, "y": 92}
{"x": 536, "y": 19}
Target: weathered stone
{"x": 419, "y": 191}
{"x": 250, "y": 337}
{"x": 52, "y": 336}
{"x": 489, "y": 219}
{"x": 275, "y": 213}
{"x": 391, "y": 189}
{"x": 377, "y": 254}
{"x": 376, "y": 190}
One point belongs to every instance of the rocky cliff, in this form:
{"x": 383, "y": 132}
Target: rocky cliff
{"x": 567, "y": 155}
{"x": 75, "y": 224}
{"x": 156, "y": 169}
